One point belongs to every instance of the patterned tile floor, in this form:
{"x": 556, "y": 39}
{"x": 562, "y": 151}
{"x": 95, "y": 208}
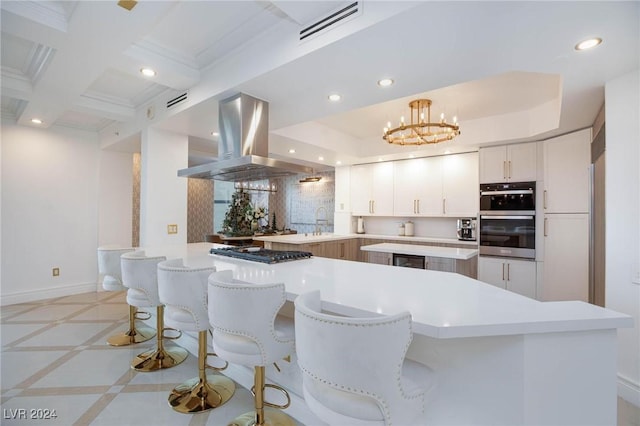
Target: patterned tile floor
{"x": 55, "y": 357}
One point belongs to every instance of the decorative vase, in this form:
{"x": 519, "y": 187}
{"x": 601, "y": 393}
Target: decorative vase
{"x": 254, "y": 225}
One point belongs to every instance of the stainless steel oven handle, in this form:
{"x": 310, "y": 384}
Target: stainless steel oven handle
{"x": 514, "y": 192}
{"x": 506, "y": 217}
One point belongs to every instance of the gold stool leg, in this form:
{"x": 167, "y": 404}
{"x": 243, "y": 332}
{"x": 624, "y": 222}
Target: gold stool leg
{"x": 134, "y": 334}
{"x": 159, "y": 358}
{"x": 262, "y": 416}
{"x": 204, "y": 392}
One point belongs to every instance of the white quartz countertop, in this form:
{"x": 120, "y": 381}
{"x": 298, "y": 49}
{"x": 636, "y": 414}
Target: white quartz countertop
{"x": 310, "y": 238}
{"x": 442, "y": 305}
{"x": 418, "y": 250}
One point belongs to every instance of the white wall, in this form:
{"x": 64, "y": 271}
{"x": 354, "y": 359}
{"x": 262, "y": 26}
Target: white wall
{"x": 163, "y": 195}
{"x": 115, "y": 204}
{"x": 622, "y": 206}
{"x": 49, "y": 212}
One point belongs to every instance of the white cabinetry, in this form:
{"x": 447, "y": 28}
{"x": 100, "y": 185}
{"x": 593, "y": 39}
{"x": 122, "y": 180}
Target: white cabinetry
{"x": 418, "y": 187}
{"x": 514, "y": 275}
{"x": 566, "y": 257}
{"x": 566, "y": 217}
{"x": 509, "y": 163}
{"x": 566, "y": 173}
{"x": 372, "y": 189}
{"x": 437, "y": 186}
{"x": 460, "y": 188}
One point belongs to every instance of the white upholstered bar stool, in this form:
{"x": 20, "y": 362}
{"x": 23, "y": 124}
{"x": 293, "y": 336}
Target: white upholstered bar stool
{"x": 243, "y": 317}
{"x": 109, "y": 267}
{"x": 354, "y": 370}
{"x": 183, "y": 291}
{"x": 140, "y": 276}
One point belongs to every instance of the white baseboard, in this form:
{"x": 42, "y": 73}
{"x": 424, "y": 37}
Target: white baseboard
{"x": 46, "y": 293}
{"x": 629, "y": 390}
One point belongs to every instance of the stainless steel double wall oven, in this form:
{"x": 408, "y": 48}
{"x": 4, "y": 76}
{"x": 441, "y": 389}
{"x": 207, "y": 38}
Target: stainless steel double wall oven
{"x": 508, "y": 219}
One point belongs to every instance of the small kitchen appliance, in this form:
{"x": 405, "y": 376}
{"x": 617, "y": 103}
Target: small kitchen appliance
{"x": 408, "y": 229}
{"x": 466, "y": 229}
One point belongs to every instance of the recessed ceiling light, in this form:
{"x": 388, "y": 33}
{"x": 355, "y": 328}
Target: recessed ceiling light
{"x": 321, "y": 158}
{"x": 292, "y": 151}
{"x": 379, "y": 159}
{"x": 588, "y": 43}
{"x": 385, "y": 82}
{"x": 447, "y": 152}
{"x": 338, "y": 162}
{"x": 215, "y": 134}
{"x": 36, "y": 121}
{"x": 147, "y": 72}
{"x": 334, "y": 97}
{"x": 411, "y": 156}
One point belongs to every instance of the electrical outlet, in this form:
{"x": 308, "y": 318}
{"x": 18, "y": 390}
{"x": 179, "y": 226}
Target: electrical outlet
{"x": 172, "y": 229}
{"x": 55, "y": 272}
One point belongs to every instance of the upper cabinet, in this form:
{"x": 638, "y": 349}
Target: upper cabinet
{"x": 372, "y": 189}
{"x": 437, "y": 186}
{"x": 460, "y": 187}
{"x": 566, "y": 173}
{"x": 508, "y": 163}
{"x": 418, "y": 187}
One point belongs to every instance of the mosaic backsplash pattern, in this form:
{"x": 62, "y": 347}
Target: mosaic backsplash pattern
{"x": 135, "y": 228}
{"x": 295, "y": 204}
{"x": 199, "y": 209}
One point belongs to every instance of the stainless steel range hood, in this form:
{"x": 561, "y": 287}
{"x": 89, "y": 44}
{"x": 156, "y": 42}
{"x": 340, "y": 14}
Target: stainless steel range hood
{"x": 243, "y": 146}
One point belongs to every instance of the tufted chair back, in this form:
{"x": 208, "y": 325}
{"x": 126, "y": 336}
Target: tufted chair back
{"x": 352, "y": 367}
{"x": 183, "y": 291}
{"x": 109, "y": 267}
{"x": 140, "y": 276}
{"x": 243, "y": 317}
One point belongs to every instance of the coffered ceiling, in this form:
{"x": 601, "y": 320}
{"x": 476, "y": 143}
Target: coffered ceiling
{"x": 508, "y": 70}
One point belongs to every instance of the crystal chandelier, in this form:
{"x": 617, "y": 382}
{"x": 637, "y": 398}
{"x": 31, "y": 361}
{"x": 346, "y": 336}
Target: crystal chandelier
{"x": 420, "y": 130}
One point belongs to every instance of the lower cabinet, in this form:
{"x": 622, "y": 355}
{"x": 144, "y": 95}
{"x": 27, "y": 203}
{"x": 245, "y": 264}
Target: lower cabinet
{"x": 379, "y": 257}
{"x": 514, "y": 275}
{"x": 339, "y": 249}
{"x": 465, "y": 267}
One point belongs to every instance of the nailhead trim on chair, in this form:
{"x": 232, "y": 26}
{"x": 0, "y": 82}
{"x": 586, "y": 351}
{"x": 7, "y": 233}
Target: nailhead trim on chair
{"x": 244, "y": 287}
{"x": 186, "y": 308}
{"x": 375, "y": 396}
{"x": 144, "y": 258}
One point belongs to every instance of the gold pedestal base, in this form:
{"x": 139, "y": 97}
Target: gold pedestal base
{"x": 194, "y": 396}
{"x": 271, "y": 418}
{"x": 157, "y": 359}
{"x": 139, "y": 335}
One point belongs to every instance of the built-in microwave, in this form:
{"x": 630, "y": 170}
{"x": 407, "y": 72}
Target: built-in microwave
{"x": 507, "y": 220}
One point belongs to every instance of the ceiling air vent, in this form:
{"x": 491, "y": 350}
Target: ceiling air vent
{"x": 178, "y": 99}
{"x": 332, "y": 20}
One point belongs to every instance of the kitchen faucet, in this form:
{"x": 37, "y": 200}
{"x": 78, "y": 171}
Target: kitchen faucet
{"x": 320, "y": 222}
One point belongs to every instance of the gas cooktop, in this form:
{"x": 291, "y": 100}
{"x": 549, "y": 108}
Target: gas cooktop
{"x": 258, "y": 254}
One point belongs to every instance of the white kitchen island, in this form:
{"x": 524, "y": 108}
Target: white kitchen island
{"x": 498, "y": 357}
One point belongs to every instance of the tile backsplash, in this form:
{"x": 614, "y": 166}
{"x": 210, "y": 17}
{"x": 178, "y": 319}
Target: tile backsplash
{"x": 297, "y": 205}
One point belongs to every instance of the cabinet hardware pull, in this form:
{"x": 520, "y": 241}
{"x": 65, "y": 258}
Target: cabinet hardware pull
{"x": 504, "y": 170}
{"x": 546, "y": 227}
{"x": 418, "y": 205}
{"x": 508, "y": 272}
{"x": 373, "y": 206}
{"x": 544, "y": 199}
{"x": 341, "y": 249}
{"x": 509, "y": 176}
{"x": 503, "y": 272}
{"x": 414, "y": 206}
{"x": 444, "y": 206}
